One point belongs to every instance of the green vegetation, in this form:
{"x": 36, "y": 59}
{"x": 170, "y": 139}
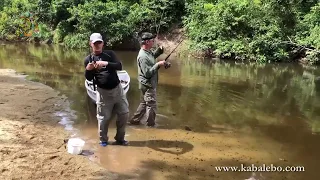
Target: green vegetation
{"x": 263, "y": 31}
{"x": 246, "y": 29}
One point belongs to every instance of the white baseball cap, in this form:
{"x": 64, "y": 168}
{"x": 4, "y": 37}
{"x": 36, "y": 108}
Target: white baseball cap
{"x": 95, "y": 37}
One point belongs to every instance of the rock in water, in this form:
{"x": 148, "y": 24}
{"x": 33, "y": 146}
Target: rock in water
{"x": 187, "y": 128}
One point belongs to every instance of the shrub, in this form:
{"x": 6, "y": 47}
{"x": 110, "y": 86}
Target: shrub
{"x": 308, "y": 34}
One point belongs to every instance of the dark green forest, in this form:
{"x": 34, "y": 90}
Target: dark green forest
{"x": 262, "y": 31}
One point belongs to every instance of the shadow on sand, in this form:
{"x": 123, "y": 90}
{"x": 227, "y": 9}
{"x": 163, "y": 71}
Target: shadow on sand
{"x": 165, "y": 146}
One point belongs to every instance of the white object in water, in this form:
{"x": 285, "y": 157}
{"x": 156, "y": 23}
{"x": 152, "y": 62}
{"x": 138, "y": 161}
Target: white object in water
{"x": 124, "y": 81}
{"x": 75, "y": 145}
{"x": 254, "y": 177}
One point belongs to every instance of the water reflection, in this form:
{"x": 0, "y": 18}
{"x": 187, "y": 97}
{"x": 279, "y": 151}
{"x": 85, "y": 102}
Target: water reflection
{"x": 280, "y": 102}
{"x": 193, "y": 93}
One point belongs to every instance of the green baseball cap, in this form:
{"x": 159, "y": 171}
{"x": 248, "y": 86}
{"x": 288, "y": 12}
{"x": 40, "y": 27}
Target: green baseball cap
{"x": 147, "y": 36}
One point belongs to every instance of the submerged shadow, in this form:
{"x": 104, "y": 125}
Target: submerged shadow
{"x": 180, "y": 147}
{"x": 104, "y": 174}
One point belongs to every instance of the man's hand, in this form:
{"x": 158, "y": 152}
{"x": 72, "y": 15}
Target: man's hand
{"x": 161, "y": 63}
{"x": 161, "y": 49}
{"x": 90, "y": 66}
{"x": 101, "y": 64}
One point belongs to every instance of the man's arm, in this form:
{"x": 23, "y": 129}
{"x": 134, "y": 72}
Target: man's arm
{"x": 158, "y": 52}
{"x": 115, "y": 64}
{"x": 147, "y": 68}
{"x": 89, "y": 74}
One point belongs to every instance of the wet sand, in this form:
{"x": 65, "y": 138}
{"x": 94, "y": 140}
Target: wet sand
{"x": 179, "y": 154}
{"x": 32, "y": 140}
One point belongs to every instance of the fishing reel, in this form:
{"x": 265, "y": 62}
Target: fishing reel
{"x": 92, "y": 60}
{"x": 167, "y": 65}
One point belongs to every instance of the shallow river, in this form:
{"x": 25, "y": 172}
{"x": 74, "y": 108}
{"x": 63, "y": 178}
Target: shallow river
{"x": 238, "y": 114}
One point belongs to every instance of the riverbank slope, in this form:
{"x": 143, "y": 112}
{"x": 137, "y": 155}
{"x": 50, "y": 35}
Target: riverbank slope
{"x": 32, "y": 140}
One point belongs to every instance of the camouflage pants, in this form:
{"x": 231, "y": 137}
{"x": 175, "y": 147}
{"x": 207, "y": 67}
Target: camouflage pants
{"x": 147, "y": 108}
{"x": 107, "y": 102}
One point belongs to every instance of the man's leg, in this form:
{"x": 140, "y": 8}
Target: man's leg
{"x": 151, "y": 102}
{"x": 122, "y": 110}
{"x": 141, "y": 110}
{"x": 104, "y": 110}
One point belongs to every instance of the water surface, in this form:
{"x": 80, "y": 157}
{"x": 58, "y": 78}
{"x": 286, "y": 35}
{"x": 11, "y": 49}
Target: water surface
{"x": 237, "y": 113}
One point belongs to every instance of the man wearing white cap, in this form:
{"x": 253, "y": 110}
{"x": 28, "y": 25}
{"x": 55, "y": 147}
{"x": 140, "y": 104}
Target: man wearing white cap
{"x": 101, "y": 67}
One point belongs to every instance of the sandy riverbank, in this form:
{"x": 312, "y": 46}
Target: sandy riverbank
{"x": 32, "y": 140}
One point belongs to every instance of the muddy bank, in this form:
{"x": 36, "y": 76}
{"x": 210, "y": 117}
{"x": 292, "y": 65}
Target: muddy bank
{"x": 32, "y": 140}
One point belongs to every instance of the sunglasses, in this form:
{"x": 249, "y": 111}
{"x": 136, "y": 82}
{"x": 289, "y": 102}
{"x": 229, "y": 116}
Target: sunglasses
{"x": 98, "y": 42}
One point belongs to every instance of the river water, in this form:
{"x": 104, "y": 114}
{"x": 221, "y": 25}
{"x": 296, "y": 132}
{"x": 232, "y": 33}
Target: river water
{"x": 238, "y": 114}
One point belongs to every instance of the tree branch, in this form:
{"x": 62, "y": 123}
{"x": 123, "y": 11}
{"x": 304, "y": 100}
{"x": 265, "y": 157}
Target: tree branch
{"x": 299, "y": 45}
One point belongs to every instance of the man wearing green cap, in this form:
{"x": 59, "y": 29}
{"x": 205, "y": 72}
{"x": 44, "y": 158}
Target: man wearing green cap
{"x": 148, "y": 80}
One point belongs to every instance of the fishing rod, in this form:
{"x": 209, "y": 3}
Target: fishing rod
{"x": 92, "y": 60}
{"x": 168, "y": 64}
{"x": 173, "y": 50}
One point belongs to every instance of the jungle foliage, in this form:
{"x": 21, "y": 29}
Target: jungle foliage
{"x": 262, "y": 31}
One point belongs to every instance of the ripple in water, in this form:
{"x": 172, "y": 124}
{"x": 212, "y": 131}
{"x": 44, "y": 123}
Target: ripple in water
{"x": 67, "y": 119}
